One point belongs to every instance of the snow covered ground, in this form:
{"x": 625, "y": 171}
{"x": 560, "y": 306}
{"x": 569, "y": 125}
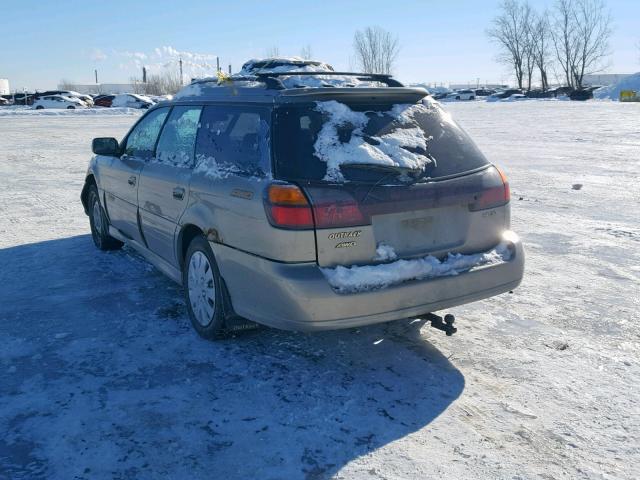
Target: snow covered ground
{"x": 102, "y": 377}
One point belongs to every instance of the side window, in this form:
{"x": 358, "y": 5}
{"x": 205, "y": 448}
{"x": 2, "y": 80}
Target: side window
{"x": 142, "y": 139}
{"x": 234, "y": 139}
{"x": 178, "y": 137}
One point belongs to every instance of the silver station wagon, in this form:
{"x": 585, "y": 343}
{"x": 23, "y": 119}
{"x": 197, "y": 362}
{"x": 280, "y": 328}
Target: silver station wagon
{"x": 306, "y": 199}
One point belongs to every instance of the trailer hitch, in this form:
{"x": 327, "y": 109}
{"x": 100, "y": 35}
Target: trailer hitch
{"x": 446, "y": 324}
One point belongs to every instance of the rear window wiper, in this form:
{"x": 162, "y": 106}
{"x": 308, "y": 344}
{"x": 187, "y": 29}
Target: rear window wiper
{"x": 380, "y": 168}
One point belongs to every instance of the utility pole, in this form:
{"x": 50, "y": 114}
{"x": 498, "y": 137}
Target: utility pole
{"x": 217, "y": 64}
{"x": 96, "y": 72}
{"x": 229, "y": 69}
{"x": 181, "y": 77}
{"x": 144, "y": 74}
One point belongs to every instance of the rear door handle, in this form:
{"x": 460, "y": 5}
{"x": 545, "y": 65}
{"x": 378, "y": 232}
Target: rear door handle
{"x": 178, "y": 193}
{"x": 132, "y": 180}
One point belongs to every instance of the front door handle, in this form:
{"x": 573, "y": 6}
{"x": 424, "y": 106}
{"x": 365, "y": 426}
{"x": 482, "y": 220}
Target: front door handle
{"x": 132, "y": 180}
{"x": 178, "y": 193}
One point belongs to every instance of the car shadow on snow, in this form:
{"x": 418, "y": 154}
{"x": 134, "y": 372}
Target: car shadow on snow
{"x": 102, "y": 376}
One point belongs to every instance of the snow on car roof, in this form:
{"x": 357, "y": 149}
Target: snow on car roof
{"x": 267, "y": 77}
{"x": 283, "y": 64}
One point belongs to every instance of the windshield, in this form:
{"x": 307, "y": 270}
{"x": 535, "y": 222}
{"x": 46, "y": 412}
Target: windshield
{"x": 336, "y": 142}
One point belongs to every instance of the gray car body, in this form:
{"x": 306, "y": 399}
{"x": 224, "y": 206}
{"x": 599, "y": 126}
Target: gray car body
{"x": 273, "y": 276}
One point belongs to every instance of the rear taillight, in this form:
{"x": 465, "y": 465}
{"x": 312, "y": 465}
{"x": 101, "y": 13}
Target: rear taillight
{"x": 336, "y": 215}
{"x": 494, "y": 194}
{"x": 287, "y": 207}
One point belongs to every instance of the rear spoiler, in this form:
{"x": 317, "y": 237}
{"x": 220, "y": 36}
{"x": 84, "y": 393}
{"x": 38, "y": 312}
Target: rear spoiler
{"x": 391, "y": 94}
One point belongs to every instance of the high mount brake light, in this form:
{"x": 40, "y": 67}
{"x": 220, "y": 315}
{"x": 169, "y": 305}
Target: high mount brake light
{"x": 496, "y": 194}
{"x": 287, "y": 207}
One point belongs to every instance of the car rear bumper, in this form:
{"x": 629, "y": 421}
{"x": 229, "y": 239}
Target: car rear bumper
{"x": 299, "y": 297}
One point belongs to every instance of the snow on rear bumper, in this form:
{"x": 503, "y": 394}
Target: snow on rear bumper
{"x": 299, "y": 297}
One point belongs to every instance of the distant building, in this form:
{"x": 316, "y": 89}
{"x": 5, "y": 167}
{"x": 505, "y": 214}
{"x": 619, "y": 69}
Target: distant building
{"x": 603, "y": 79}
{"x": 100, "y": 88}
{"x": 4, "y": 86}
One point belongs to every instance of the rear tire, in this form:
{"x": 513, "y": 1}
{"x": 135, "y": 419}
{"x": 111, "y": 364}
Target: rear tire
{"x": 99, "y": 223}
{"x": 203, "y": 290}
{"x": 39, "y": 107}
{"x": 71, "y": 107}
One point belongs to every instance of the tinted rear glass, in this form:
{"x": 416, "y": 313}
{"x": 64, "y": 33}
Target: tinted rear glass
{"x": 449, "y": 150}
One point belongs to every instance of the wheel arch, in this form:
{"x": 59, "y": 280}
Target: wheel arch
{"x": 88, "y": 182}
{"x": 187, "y": 233}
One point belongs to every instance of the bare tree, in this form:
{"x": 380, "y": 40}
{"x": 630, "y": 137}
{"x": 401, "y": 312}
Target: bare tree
{"x": 66, "y": 84}
{"x": 164, "y": 83}
{"x": 273, "y": 52}
{"x": 306, "y": 52}
{"x": 593, "y": 31}
{"x": 376, "y": 50}
{"x": 510, "y": 31}
{"x": 541, "y": 35}
{"x": 564, "y": 37}
{"x": 581, "y": 33}
{"x": 529, "y": 40}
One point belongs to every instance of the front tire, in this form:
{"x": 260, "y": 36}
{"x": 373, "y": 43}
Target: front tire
{"x": 203, "y": 290}
{"x": 39, "y": 107}
{"x": 71, "y": 107}
{"x": 99, "y": 223}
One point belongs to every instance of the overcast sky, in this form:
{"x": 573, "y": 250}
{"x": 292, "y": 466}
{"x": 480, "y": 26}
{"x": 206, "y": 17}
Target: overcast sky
{"x": 44, "y": 42}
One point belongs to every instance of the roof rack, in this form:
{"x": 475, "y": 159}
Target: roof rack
{"x": 272, "y": 82}
{"x": 378, "y": 77}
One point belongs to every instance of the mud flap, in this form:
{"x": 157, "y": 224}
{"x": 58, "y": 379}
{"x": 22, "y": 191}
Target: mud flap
{"x": 233, "y": 323}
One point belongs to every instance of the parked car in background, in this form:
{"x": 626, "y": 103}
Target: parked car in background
{"x": 501, "y": 95}
{"x": 160, "y": 98}
{"x": 538, "y": 93}
{"x": 4, "y": 101}
{"x": 103, "y": 100}
{"x": 484, "y": 92}
{"x": 583, "y": 94}
{"x": 228, "y": 190}
{"x": 131, "y": 100}
{"x": 21, "y": 98}
{"x": 466, "y": 94}
{"x": 560, "y": 91}
{"x": 87, "y": 99}
{"x": 58, "y": 101}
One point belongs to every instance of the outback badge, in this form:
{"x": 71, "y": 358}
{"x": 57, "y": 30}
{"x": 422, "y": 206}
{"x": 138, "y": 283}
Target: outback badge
{"x": 347, "y": 234}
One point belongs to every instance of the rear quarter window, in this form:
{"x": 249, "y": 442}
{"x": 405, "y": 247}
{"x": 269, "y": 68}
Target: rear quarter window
{"x": 234, "y": 139}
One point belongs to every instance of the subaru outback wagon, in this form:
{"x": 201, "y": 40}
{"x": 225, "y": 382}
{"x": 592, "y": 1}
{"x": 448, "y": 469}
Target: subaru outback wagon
{"x": 306, "y": 201}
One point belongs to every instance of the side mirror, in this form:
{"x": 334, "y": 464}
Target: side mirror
{"x": 105, "y": 146}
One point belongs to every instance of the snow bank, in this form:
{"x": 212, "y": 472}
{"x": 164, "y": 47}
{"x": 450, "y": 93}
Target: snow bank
{"x": 373, "y": 277}
{"x": 22, "y": 110}
{"x": 612, "y": 92}
{"x": 390, "y": 149}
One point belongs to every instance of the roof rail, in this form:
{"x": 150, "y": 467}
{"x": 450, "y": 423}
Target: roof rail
{"x": 379, "y": 77}
{"x": 270, "y": 82}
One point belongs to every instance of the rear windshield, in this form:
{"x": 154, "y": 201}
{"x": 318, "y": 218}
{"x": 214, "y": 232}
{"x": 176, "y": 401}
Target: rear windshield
{"x": 321, "y": 141}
